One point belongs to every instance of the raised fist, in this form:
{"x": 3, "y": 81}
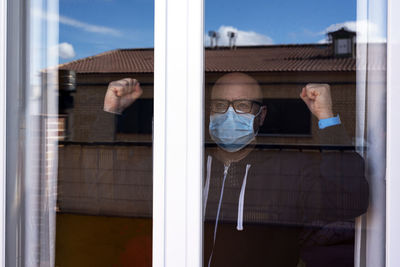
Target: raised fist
{"x": 121, "y": 94}
{"x": 317, "y": 97}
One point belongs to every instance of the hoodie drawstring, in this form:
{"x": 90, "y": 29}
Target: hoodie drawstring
{"x": 239, "y": 225}
{"x": 206, "y": 189}
{"x": 226, "y": 167}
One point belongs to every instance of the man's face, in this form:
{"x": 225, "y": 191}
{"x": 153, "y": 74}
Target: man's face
{"x": 238, "y": 86}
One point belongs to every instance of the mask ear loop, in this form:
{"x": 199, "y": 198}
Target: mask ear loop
{"x": 255, "y": 116}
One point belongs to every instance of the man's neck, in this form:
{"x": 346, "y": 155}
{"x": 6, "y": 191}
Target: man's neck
{"x": 230, "y": 157}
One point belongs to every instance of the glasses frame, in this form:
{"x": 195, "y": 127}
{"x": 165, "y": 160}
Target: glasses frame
{"x": 231, "y": 104}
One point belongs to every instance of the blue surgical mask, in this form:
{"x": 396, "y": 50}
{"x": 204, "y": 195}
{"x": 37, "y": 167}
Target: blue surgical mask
{"x": 232, "y": 131}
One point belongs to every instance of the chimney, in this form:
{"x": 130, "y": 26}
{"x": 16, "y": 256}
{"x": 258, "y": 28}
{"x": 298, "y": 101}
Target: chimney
{"x": 214, "y": 36}
{"x": 232, "y": 39}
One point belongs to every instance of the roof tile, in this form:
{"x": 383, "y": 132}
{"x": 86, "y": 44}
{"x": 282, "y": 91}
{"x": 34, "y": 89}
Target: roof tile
{"x": 271, "y": 58}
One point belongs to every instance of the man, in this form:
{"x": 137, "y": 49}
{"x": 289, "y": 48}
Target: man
{"x": 257, "y": 203}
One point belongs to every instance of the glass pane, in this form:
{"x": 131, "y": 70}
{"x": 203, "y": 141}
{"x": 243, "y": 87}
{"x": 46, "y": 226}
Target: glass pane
{"x": 289, "y": 182}
{"x": 104, "y": 200}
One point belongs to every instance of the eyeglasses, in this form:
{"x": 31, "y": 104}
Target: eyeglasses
{"x": 240, "y": 105}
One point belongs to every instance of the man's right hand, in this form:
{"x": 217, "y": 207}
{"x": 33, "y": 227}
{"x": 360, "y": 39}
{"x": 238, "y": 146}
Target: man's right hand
{"x": 121, "y": 94}
{"x": 317, "y": 97}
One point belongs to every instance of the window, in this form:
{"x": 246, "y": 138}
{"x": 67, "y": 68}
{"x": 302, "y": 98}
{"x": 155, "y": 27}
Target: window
{"x": 290, "y": 183}
{"x": 104, "y": 182}
{"x": 137, "y": 118}
{"x": 286, "y": 117}
{"x": 50, "y": 134}
{"x": 343, "y": 46}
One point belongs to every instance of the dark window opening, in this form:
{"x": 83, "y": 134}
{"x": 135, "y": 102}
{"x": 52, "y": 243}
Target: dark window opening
{"x": 137, "y": 119}
{"x": 286, "y": 117}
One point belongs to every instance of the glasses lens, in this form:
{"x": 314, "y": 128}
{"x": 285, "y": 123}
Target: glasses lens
{"x": 242, "y": 106}
{"x": 219, "y": 106}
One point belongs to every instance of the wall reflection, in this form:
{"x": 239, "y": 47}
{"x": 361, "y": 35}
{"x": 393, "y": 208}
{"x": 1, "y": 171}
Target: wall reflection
{"x": 105, "y": 165}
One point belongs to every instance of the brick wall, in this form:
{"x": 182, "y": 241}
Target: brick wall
{"x": 105, "y": 180}
{"x": 90, "y": 123}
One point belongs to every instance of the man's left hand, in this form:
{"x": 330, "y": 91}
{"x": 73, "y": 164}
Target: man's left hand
{"x": 317, "y": 97}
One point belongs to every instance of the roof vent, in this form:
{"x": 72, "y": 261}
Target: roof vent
{"x": 232, "y": 39}
{"x": 214, "y": 36}
{"x": 343, "y": 42}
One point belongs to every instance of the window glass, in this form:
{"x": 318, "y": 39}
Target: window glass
{"x": 294, "y": 149}
{"x": 287, "y": 183}
{"x": 104, "y": 196}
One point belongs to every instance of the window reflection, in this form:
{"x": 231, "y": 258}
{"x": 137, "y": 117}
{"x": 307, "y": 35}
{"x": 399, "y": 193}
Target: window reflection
{"x": 104, "y": 200}
{"x": 273, "y": 198}
{"x": 283, "y": 186}
{"x": 283, "y": 182}
{"x": 259, "y": 202}
{"x": 105, "y": 175}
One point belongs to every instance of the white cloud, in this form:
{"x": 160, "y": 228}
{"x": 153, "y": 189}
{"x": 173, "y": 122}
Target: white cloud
{"x": 242, "y": 37}
{"x": 76, "y": 23}
{"x": 349, "y": 25}
{"x": 366, "y": 30}
{"x": 64, "y": 50}
{"x": 88, "y": 27}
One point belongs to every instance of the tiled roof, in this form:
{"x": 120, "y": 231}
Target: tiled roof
{"x": 114, "y": 61}
{"x": 272, "y": 58}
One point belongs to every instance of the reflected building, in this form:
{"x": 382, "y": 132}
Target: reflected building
{"x": 101, "y": 149}
{"x": 281, "y": 70}
{"x": 105, "y": 160}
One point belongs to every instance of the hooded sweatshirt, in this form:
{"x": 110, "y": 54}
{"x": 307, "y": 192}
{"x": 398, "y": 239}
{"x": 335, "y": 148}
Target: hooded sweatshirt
{"x": 256, "y": 209}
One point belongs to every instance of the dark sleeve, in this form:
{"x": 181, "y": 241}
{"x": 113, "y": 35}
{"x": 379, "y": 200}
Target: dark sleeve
{"x": 341, "y": 191}
{"x": 312, "y": 187}
{"x": 334, "y": 135}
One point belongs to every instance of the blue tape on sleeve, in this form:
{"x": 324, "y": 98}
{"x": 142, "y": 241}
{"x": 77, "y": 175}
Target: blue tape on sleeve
{"x": 329, "y": 122}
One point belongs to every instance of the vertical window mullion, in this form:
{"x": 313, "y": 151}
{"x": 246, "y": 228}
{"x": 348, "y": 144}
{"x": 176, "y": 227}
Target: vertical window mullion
{"x": 15, "y": 82}
{"x": 195, "y": 130}
{"x": 159, "y": 133}
{"x": 3, "y": 75}
{"x": 393, "y": 141}
{"x": 178, "y": 131}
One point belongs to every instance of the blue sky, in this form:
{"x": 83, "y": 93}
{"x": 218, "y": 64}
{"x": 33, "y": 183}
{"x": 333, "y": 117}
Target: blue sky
{"x": 89, "y": 27}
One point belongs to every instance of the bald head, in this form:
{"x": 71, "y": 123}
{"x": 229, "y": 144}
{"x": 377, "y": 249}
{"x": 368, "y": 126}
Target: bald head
{"x": 235, "y": 86}
{"x": 240, "y": 86}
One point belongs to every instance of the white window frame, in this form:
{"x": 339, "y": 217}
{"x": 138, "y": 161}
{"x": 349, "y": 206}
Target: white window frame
{"x": 393, "y": 134}
{"x": 12, "y": 79}
{"x": 178, "y": 132}
{"x": 3, "y": 75}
